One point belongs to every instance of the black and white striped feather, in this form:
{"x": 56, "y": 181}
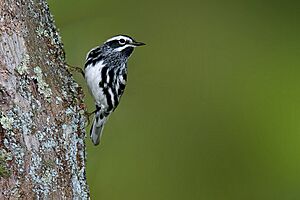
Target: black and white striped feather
{"x": 106, "y": 76}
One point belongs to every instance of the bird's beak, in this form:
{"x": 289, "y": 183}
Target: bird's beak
{"x": 134, "y": 43}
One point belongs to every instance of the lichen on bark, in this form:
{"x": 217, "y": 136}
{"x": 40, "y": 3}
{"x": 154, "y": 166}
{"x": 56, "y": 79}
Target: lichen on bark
{"x": 42, "y": 122}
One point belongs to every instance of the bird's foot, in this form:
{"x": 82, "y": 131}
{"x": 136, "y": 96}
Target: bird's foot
{"x": 88, "y": 115}
{"x": 76, "y": 69}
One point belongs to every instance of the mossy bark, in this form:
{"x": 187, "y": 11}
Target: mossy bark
{"x": 42, "y": 123}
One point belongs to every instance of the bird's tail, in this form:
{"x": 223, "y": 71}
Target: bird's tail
{"x": 97, "y": 128}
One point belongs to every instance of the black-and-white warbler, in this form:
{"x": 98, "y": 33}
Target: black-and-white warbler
{"x": 106, "y": 75}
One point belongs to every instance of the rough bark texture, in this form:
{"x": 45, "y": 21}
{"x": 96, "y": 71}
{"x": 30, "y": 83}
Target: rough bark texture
{"x": 42, "y": 123}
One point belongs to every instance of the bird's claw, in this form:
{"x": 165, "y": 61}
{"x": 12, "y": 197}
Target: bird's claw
{"x": 88, "y": 115}
{"x": 76, "y": 69}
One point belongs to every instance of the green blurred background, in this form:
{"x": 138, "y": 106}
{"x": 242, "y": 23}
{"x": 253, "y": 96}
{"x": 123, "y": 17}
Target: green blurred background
{"x": 212, "y": 106}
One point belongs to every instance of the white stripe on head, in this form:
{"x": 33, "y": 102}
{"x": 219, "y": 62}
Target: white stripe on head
{"x": 118, "y": 37}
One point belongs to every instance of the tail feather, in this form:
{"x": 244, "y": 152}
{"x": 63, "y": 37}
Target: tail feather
{"x": 97, "y": 128}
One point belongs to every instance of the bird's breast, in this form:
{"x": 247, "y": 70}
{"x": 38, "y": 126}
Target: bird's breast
{"x": 93, "y": 79}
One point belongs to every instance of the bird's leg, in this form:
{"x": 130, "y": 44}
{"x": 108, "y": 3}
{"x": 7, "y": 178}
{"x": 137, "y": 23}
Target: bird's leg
{"x": 87, "y": 114}
{"x": 76, "y": 69}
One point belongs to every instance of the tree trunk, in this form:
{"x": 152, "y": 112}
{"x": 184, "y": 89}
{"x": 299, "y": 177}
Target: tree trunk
{"x": 42, "y": 123}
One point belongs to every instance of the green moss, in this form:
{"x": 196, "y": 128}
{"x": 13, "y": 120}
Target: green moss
{"x": 43, "y": 87}
{"x": 4, "y": 172}
{"x": 49, "y": 163}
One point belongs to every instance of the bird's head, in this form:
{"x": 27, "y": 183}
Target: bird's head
{"x": 122, "y": 44}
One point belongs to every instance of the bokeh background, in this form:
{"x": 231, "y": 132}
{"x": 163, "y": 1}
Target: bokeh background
{"x": 212, "y": 106}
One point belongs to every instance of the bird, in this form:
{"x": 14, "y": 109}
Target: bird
{"x": 105, "y": 72}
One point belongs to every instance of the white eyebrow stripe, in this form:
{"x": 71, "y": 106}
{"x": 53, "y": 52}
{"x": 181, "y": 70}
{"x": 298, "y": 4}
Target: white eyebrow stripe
{"x": 118, "y": 38}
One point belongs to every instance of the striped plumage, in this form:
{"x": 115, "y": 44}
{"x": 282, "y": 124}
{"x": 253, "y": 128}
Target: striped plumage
{"x": 106, "y": 76}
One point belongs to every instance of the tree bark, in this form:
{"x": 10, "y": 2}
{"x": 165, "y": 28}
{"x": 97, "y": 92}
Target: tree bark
{"x": 42, "y": 122}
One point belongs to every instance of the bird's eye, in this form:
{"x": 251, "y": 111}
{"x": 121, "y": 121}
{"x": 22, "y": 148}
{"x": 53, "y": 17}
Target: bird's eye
{"x": 122, "y": 41}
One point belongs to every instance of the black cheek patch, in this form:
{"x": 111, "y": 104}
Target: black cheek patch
{"x": 127, "y": 51}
